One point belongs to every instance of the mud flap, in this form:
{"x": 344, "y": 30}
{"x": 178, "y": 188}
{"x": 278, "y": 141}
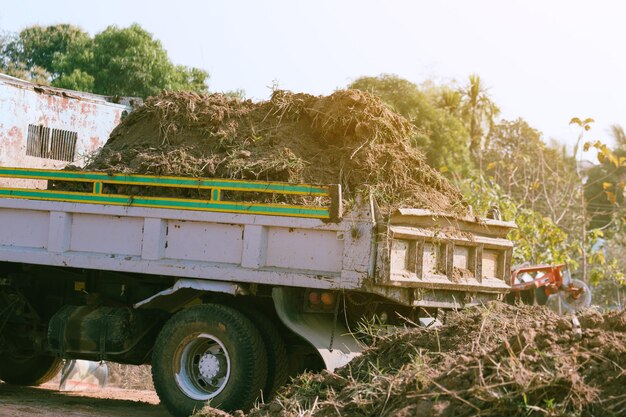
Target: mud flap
{"x": 81, "y": 375}
{"x": 317, "y": 329}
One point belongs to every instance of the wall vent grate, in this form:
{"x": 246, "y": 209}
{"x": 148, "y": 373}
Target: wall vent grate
{"x": 49, "y": 143}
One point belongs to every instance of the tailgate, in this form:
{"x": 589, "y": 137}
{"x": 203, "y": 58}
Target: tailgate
{"x": 440, "y": 260}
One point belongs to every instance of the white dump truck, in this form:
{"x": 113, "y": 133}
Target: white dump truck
{"x": 224, "y": 298}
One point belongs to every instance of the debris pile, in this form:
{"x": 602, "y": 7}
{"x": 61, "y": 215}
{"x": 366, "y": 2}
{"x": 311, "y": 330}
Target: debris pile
{"x": 349, "y": 137}
{"x": 497, "y": 360}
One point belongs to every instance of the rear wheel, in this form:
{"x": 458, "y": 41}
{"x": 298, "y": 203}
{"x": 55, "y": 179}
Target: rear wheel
{"x": 208, "y": 353}
{"x": 29, "y": 370}
{"x": 277, "y": 365}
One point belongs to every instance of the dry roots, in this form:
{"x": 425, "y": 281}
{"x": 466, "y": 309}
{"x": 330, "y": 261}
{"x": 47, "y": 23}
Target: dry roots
{"x": 498, "y": 360}
{"x": 349, "y": 138}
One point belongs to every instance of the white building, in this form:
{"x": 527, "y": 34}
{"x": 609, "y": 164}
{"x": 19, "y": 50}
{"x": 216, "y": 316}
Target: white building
{"x": 47, "y": 127}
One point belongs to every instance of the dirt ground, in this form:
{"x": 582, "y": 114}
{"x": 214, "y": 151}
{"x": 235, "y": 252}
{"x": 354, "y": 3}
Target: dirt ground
{"x": 491, "y": 361}
{"x": 47, "y": 401}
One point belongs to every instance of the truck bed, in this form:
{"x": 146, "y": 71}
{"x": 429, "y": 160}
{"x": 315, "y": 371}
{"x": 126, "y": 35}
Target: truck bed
{"x": 416, "y": 258}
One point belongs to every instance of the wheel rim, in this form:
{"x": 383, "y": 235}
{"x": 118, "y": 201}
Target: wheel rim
{"x": 574, "y": 300}
{"x": 578, "y": 299}
{"x": 203, "y": 366}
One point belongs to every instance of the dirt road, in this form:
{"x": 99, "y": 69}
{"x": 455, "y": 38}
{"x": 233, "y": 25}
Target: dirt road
{"x": 47, "y": 401}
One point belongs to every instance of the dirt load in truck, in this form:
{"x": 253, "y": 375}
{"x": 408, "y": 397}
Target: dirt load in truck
{"x": 208, "y": 238}
{"x": 349, "y": 138}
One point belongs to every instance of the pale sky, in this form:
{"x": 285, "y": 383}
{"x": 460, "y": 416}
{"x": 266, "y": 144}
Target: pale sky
{"x": 545, "y": 61}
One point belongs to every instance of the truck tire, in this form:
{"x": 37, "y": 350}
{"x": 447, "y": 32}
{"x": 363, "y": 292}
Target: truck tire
{"x": 208, "y": 353}
{"x": 277, "y": 365}
{"x": 33, "y": 370}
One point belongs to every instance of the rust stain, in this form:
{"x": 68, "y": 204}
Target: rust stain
{"x": 94, "y": 143}
{"x": 50, "y": 101}
{"x": 85, "y": 108}
{"x": 65, "y": 104}
{"x": 15, "y": 134}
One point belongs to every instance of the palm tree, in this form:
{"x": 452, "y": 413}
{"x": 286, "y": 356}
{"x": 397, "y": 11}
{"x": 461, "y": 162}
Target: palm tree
{"x": 618, "y": 134}
{"x": 478, "y": 111}
{"x": 450, "y": 100}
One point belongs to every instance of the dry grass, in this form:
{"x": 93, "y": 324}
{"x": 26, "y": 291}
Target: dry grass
{"x": 125, "y": 376}
{"x": 130, "y": 376}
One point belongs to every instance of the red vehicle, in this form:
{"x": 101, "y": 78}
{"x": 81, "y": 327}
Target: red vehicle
{"x": 535, "y": 284}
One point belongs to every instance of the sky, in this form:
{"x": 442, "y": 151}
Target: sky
{"x": 545, "y": 61}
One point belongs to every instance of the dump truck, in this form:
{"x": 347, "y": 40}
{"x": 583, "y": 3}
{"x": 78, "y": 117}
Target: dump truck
{"x": 223, "y": 295}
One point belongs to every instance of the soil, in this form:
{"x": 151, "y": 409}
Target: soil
{"x": 349, "y": 137}
{"x": 461, "y": 274}
{"x": 47, "y": 401}
{"x": 497, "y": 360}
{"x": 492, "y": 361}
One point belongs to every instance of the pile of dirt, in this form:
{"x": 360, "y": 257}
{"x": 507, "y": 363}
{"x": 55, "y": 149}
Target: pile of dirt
{"x": 498, "y": 360}
{"x": 349, "y": 137}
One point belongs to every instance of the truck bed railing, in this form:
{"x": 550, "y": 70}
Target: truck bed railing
{"x": 215, "y": 202}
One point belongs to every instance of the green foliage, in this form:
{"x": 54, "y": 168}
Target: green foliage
{"x": 540, "y": 241}
{"x": 478, "y": 110}
{"x": 117, "y": 61}
{"x": 130, "y": 60}
{"x": 76, "y": 80}
{"x": 44, "y": 46}
{"x": 439, "y": 133}
{"x": 186, "y": 78}
{"x": 543, "y": 177}
{"x": 451, "y": 123}
{"x": 19, "y": 70}
{"x": 535, "y": 184}
{"x": 10, "y": 49}
{"x": 604, "y": 196}
{"x": 537, "y": 238}
{"x": 604, "y": 188}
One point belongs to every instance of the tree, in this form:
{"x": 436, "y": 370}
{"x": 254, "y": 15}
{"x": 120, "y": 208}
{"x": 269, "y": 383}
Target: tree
{"x": 604, "y": 188}
{"x": 603, "y": 196}
{"x": 450, "y": 99}
{"x": 438, "y": 133}
{"x": 542, "y": 177}
{"x": 10, "y": 63}
{"x": 129, "y": 60}
{"x": 76, "y": 80}
{"x": 117, "y": 61}
{"x": 478, "y": 110}
{"x": 45, "y": 46}
{"x": 537, "y": 238}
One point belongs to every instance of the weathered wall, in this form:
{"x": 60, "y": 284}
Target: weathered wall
{"x": 23, "y": 104}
